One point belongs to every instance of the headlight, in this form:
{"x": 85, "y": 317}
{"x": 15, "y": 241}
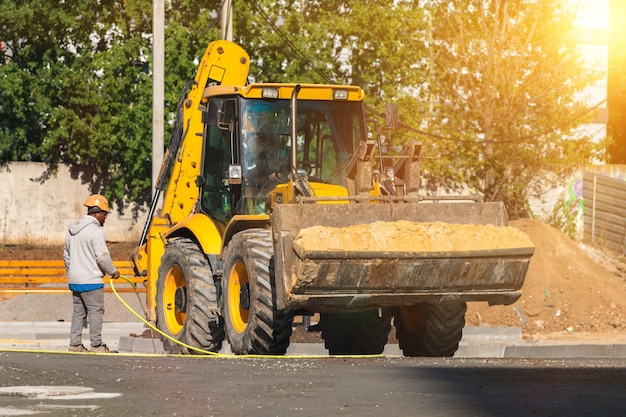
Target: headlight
{"x": 340, "y": 94}
{"x": 269, "y": 93}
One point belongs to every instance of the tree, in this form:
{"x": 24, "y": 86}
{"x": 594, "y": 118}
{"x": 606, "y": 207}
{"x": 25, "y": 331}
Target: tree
{"x": 76, "y": 86}
{"x": 325, "y": 42}
{"x": 506, "y": 78}
{"x": 490, "y": 86}
{"x": 80, "y": 87}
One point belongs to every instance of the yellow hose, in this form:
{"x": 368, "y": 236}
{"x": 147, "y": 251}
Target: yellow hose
{"x": 221, "y": 355}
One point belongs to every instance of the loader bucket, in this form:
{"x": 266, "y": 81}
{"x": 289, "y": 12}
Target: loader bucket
{"x": 380, "y": 255}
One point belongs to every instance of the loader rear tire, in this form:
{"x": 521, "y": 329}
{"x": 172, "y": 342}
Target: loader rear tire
{"x": 358, "y": 333}
{"x": 432, "y": 330}
{"x": 253, "y": 323}
{"x": 186, "y": 300}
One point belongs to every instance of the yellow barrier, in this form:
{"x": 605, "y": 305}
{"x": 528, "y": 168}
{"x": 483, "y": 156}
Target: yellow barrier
{"x": 49, "y": 277}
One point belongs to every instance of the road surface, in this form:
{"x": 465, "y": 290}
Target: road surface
{"x": 57, "y": 384}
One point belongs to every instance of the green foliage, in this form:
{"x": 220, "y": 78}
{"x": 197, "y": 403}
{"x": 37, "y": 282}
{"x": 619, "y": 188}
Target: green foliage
{"x": 490, "y": 87}
{"x": 81, "y": 91}
{"x": 370, "y": 44}
{"x": 77, "y": 86}
{"x": 564, "y": 217}
{"x": 506, "y": 83}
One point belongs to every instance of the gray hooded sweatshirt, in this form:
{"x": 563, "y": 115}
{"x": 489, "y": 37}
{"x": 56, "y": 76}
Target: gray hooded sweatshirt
{"x": 86, "y": 255}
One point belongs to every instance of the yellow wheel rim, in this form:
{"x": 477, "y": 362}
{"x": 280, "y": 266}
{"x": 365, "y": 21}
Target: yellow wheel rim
{"x": 238, "y": 315}
{"x": 174, "y": 319}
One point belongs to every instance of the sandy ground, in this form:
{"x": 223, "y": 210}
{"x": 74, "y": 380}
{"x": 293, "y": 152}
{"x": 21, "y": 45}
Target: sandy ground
{"x": 572, "y": 290}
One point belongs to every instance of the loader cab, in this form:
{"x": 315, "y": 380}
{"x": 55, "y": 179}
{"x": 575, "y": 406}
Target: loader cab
{"x": 247, "y": 149}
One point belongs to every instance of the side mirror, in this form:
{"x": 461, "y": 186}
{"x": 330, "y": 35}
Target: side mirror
{"x": 221, "y": 115}
{"x": 391, "y": 116}
{"x": 210, "y": 114}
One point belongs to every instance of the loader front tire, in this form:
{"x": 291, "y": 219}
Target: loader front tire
{"x": 253, "y": 323}
{"x": 432, "y": 330}
{"x": 186, "y": 300}
{"x": 357, "y": 333}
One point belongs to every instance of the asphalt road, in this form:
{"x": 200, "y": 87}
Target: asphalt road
{"x": 57, "y": 384}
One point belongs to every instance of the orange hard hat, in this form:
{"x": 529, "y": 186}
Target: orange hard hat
{"x": 97, "y": 200}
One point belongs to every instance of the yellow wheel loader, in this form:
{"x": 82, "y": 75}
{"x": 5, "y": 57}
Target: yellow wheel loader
{"x": 276, "y": 203}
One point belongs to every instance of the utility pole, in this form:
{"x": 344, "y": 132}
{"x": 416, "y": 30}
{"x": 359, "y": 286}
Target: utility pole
{"x": 158, "y": 87}
{"x": 616, "y": 83}
{"x": 227, "y": 20}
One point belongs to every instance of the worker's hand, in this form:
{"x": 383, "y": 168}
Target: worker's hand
{"x": 116, "y": 275}
{"x": 276, "y": 176}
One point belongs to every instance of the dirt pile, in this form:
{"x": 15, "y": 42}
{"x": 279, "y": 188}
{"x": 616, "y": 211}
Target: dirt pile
{"x": 570, "y": 287}
{"x": 406, "y": 236}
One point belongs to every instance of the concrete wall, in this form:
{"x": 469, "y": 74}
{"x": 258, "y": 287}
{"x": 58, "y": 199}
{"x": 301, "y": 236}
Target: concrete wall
{"x": 34, "y": 212}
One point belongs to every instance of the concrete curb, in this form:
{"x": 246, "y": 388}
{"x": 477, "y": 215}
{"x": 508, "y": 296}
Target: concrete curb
{"x": 565, "y": 351}
{"x": 477, "y": 342}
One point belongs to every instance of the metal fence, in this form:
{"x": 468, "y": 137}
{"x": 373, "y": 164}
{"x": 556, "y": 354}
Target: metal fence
{"x": 604, "y": 219}
{"x": 49, "y": 277}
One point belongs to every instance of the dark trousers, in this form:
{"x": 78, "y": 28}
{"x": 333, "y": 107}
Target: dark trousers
{"x": 87, "y": 306}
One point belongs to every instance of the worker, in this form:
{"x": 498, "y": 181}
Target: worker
{"x": 87, "y": 259}
{"x": 272, "y": 164}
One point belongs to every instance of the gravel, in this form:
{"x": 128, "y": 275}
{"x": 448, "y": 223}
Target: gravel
{"x": 58, "y": 307}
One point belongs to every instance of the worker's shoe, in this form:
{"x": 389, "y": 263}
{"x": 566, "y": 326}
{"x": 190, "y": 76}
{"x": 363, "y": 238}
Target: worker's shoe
{"x": 79, "y": 348}
{"x": 102, "y": 349}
